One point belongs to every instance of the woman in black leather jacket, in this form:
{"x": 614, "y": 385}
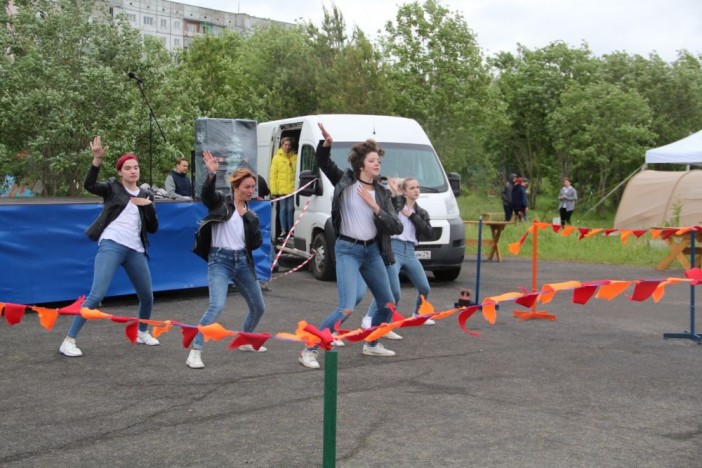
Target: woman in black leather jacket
{"x": 226, "y": 238}
{"x": 121, "y": 230}
{"x": 364, "y": 219}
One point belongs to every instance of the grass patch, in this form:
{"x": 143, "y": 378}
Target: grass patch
{"x": 552, "y": 246}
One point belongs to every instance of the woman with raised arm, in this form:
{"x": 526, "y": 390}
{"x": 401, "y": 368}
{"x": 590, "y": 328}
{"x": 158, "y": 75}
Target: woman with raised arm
{"x": 364, "y": 219}
{"x": 121, "y": 228}
{"x": 226, "y": 239}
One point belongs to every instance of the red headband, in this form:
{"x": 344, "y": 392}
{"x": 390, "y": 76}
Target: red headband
{"x": 124, "y": 158}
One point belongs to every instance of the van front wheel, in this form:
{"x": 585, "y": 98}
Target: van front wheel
{"x": 321, "y": 266}
{"x": 449, "y": 274}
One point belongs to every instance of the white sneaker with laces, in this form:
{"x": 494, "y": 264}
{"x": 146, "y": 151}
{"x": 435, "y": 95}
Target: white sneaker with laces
{"x": 249, "y": 348}
{"x": 338, "y": 343}
{"x": 377, "y": 350}
{"x": 144, "y": 337}
{"x": 391, "y": 335}
{"x": 308, "y": 358}
{"x": 367, "y": 322}
{"x": 69, "y": 348}
{"x": 194, "y": 360}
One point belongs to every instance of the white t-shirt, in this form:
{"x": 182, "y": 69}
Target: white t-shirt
{"x": 229, "y": 234}
{"x": 356, "y": 215}
{"x": 126, "y": 228}
{"x": 409, "y": 232}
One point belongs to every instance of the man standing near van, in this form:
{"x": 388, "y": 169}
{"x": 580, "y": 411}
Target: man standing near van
{"x": 507, "y": 197}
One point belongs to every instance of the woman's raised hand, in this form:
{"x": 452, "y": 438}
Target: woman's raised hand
{"x": 210, "y": 161}
{"x": 325, "y": 134}
{"x": 97, "y": 149}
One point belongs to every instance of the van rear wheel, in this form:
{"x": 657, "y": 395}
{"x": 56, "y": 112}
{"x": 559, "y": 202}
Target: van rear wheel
{"x": 321, "y": 266}
{"x": 449, "y": 274}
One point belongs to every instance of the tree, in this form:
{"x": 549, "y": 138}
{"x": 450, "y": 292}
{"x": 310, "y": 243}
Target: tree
{"x": 531, "y": 84}
{"x": 438, "y": 77}
{"x": 603, "y": 131}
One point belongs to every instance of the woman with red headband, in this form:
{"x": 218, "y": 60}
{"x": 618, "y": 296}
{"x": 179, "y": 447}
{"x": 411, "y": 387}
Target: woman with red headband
{"x": 120, "y": 229}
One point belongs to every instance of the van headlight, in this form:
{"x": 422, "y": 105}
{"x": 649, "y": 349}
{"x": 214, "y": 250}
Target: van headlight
{"x": 452, "y": 210}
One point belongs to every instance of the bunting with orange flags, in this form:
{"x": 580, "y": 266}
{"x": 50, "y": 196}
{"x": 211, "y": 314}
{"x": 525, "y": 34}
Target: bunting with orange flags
{"x": 587, "y": 232}
{"x": 582, "y": 293}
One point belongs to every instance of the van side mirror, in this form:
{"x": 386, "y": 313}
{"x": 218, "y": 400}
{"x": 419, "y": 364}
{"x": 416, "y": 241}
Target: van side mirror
{"x": 455, "y": 182}
{"x": 313, "y": 189}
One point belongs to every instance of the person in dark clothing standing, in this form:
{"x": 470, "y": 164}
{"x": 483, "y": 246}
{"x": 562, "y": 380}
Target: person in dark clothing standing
{"x": 507, "y": 197}
{"x": 178, "y": 183}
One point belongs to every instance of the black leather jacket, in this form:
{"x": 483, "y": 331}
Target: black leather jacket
{"x": 220, "y": 209}
{"x": 386, "y": 221}
{"x": 420, "y": 218}
{"x": 115, "y": 198}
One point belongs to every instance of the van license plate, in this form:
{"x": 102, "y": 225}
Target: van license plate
{"x": 423, "y": 254}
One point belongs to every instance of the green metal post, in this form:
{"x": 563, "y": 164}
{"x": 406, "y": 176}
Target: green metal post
{"x": 330, "y": 366}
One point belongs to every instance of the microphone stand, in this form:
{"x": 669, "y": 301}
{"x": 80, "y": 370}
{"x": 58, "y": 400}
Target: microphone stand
{"x": 152, "y": 118}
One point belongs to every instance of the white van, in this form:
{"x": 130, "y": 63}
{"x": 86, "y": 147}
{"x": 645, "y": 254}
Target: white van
{"x": 408, "y": 152}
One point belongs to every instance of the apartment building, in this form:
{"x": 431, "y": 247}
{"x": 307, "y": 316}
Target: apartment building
{"x": 177, "y": 24}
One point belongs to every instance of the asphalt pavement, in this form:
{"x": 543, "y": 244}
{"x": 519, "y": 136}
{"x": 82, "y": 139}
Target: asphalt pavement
{"x": 598, "y": 387}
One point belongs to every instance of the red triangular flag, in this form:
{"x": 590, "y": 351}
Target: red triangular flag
{"x": 14, "y": 313}
{"x": 667, "y": 233}
{"x": 73, "y": 309}
{"x": 527, "y": 300}
{"x": 583, "y": 232}
{"x": 556, "y": 227}
{"x": 644, "y": 289}
{"x": 324, "y": 335}
{"x": 254, "y": 339}
{"x": 189, "y": 334}
{"x": 121, "y": 319}
{"x": 583, "y": 294}
{"x": 464, "y": 316}
{"x": 695, "y": 274}
{"x": 131, "y": 331}
{"x": 639, "y": 232}
{"x": 361, "y": 335}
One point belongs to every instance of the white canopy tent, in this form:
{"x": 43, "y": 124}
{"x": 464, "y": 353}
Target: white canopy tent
{"x": 657, "y": 198}
{"x": 685, "y": 151}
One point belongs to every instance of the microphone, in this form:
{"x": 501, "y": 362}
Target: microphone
{"x": 133, "y": 76}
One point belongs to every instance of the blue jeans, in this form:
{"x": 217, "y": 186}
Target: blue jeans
{"x": 224, "y": 265}
{"x": 286, "y": 208}
{"x": 111, "y": 255}
{"x": 352, "y": 259}
{"x": 407, "y": 261}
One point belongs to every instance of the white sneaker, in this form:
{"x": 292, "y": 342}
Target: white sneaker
{"x": 391, "y": 335}
{"x": 377, "y": 350}
{"x": 249, "y": 348}
{"x": 194, "y": 360}
{"x": 144, "y": 337}
{"x": 367, "y": 322}
{"x": 338, "y": 343}
{"x": 308, "y": 358}
{"x": 428, "y": 322}
{"x": 69, "y": 348}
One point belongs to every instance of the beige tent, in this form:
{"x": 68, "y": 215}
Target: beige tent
{"x": 661, "y": 198}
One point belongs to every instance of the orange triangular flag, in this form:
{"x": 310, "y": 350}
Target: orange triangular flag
{"x": 158, "y": 330}
{"x": 445, "y": 313}
{"x": 514, "y": 248}
{"x": 93, "y": 314}
{"x": 568, "y": 230}
{"x": 2, "y": 306}
{"x": 625, "y": 233}
{"x": 504, "y": 297}
{"x": 660, "y": 290}
{"x": 47, "y": 317}
{"x": 214, "y": 331}
{"x": 682, "y": 231}
{"x": 541, "y": 225}
{"x": 612, "y": 290}
{"x": 656, "y": 233}
{"x": 594, "y": 231}
{"x": 549, "y": 290}
{"x": 426, "y": 307}
{"x": 489, "y": 312}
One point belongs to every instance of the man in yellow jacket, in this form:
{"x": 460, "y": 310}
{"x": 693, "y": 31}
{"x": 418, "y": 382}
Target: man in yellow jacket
{"x": 282, "y": 182}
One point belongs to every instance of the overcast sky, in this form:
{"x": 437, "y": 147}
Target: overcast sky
{"x": 634, "y": 26}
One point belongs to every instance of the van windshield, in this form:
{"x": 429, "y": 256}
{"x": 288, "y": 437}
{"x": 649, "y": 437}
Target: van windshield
{"x": 402, "y": 160}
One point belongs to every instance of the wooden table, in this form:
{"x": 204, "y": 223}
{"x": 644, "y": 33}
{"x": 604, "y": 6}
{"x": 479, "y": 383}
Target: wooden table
{"x": 496, "y": 228}
{"x": 679, "y": 245}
